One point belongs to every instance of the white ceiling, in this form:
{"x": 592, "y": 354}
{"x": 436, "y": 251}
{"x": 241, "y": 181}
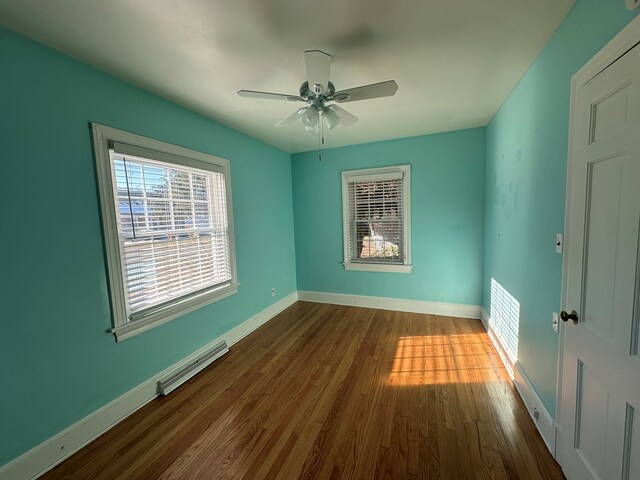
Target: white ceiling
{"x": 455, "y": 61}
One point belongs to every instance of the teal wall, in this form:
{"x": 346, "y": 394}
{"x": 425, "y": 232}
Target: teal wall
{"x": 447, "y": 195}
{"x": 57, "y": 364}
{"x": 525, "y": 184}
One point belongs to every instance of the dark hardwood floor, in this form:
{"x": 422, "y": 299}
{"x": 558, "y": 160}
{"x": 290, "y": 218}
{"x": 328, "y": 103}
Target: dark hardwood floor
{"x": 328, "y": 392}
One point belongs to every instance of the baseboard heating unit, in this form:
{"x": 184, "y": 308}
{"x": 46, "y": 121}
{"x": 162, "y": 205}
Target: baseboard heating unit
{"x": 174, "y": 380}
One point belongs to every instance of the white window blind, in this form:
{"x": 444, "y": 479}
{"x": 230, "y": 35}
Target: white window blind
{"x": 376, "y": 218}
{"x": 172, "y": 225}
{"x": 375, "y": 226}
{"x": 168, "y": 229}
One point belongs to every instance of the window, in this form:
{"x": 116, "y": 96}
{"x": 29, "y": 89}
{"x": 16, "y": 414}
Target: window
{"x": 168, "y": 229}
{"x": 376, "y": 214}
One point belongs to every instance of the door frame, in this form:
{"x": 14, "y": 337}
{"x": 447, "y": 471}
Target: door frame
{"x": 624, "y": 41}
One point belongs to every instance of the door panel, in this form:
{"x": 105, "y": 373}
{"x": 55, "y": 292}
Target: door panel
{"x": 632, "y": 445}
{"x": 635, "y": 328}
{"x": 609, "y": 114}
{"x": 591, "y": 419}
{"x": 599, "y": 434}
{"x": 603, "y": 204}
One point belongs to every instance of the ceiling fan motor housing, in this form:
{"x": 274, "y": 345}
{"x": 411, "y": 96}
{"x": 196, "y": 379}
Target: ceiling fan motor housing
{"x": 314, "y": 98}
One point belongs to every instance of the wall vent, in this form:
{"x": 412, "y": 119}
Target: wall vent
{"x": 174, "y": 380}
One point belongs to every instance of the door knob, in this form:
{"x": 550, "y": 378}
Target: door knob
{"x": 573, "y": 316}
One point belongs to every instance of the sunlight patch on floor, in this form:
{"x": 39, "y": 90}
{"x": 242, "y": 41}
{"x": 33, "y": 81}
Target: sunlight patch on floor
{"x": 441, "y": 359}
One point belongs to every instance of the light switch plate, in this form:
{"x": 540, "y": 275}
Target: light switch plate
{"x": 559, "y": 243}
{"x": 555, "y": 322}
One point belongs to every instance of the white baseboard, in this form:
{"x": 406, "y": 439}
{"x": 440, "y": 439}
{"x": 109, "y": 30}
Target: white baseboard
{"x": 544, "y": 423}
{"x": 397, "y": 304}
{"x": 51, "y": 452}
{"x": 495, "y": 339}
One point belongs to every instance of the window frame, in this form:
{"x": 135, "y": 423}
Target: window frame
{"x": 122, "y": 326}
{"x": 372, "y": 266}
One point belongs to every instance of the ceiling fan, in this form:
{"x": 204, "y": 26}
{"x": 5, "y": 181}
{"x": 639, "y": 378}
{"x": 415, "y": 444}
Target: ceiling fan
{"x": 317, "y": 91}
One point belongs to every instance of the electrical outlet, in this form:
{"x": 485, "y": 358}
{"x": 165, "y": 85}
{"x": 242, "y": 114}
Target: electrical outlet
{"x": 559, "y": 243}
{"x": 273, "y": 292}
{"x": 555, "y": 322}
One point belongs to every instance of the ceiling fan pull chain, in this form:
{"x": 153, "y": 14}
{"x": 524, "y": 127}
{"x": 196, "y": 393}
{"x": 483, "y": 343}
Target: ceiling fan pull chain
{"x": 320, "y": 137}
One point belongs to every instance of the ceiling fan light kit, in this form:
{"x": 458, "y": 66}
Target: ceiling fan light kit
{"x": 318, "y": 91}
{"x": 310, "y": 116}
{"x": 330, "y": 117}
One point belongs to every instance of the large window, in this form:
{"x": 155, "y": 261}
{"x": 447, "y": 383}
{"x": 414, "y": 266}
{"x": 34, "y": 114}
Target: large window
{"x": 167, "y": 226}
{"x": 376, "y": 215}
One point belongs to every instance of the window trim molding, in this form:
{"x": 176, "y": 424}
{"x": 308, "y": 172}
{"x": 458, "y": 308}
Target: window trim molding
{"x": 175, "y": 310}
{"x": 377, "y": 267}
{"x": 406, "y": 266}
{"x": 123, "y": 328}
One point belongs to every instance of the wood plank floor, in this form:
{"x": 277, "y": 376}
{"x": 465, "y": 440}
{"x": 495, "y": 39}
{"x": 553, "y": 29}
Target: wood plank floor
{"x": 329, "y": 392}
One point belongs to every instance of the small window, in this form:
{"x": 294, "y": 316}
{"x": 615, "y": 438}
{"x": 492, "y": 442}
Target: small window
{"x": 376, "y": 219}
{"x": 168, "y": 229}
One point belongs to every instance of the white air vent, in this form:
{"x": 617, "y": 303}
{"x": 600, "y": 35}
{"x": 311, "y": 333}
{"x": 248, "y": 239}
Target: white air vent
{"x": 174, "y": 380}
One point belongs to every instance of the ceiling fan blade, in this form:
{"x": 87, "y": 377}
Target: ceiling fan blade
{"x": 346, "y": 118}
{"x": 375, "y": 90}
{"x": 293, "y": 118}
{"x": 268, "y": 95}
{"x": 318, "y": 68}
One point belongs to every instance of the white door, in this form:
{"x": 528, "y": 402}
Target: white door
{"x": 599, "y": 431}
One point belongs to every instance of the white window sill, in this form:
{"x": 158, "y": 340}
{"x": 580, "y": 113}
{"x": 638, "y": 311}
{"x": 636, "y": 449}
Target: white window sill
{"x": 156, "y": 318}
{"x": 377, "y": 267}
